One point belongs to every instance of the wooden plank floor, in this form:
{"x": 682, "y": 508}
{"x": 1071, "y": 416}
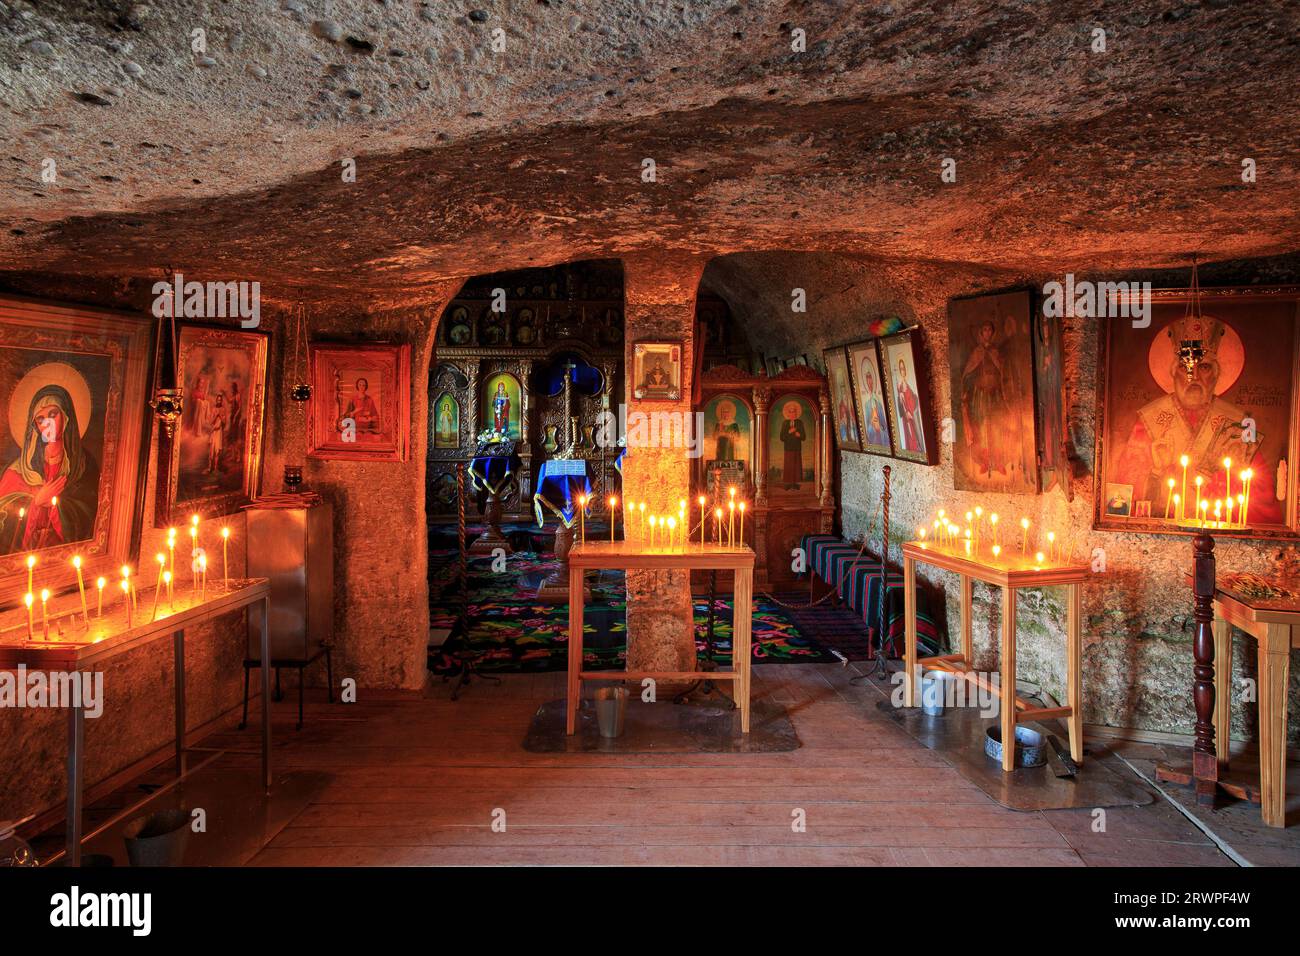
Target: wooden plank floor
{"x": 417, "y": 781}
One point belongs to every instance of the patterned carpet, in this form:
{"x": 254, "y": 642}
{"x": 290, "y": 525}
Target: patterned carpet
{"x": 510, "y": 630}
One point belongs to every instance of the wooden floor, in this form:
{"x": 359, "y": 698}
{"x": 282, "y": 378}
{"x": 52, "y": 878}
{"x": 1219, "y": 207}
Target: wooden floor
{"x": 418, "y": 781}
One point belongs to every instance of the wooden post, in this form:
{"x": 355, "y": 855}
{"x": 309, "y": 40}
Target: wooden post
{"x": 1205, "y": 761}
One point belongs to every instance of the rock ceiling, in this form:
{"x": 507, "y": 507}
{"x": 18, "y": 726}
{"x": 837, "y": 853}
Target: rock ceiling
{"x": 228, "y": 161}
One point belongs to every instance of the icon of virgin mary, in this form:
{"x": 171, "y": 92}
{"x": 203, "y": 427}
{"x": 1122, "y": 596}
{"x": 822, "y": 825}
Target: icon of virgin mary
{"x": 49, "y": 493}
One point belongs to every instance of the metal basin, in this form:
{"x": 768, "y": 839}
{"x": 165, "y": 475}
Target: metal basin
{"x": 1030, "y": 746}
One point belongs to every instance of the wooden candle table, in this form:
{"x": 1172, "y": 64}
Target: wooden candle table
{"x": 80, "y": 650}
{"x": 622, "y": 555}
{"x": 1274, "y": 622}
{"x": 1010, "y": 573}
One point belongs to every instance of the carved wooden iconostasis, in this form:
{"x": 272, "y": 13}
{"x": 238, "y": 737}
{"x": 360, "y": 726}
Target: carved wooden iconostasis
{"x": 516, "y": 334}
{"x": 769, "y": 438}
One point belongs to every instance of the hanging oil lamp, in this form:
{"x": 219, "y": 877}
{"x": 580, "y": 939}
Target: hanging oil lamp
{"x": 299, "y": 391}
{"x": 1191, "y": 351}
{"x": 168, "y": 404}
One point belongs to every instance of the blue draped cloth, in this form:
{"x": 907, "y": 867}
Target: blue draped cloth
{"x": 490, "y": 473}
{"x": 559, "y": 483}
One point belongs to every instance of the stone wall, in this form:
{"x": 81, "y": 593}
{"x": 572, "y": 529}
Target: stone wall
{"x": 1137, "y": 616}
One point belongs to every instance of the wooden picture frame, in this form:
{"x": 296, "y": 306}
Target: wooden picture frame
{"x": 657, "y": 371}
{"x": 360, "y": 409}
{"x": 94, "y": 366}
{"x": 991, "y": 368}
{"x": 844, "y": 407}
{"x": 869, "y": 397}
{"x": 1149, "y": 414}
{"x": 212, "y": 465}
{"x": 911, "y": 430}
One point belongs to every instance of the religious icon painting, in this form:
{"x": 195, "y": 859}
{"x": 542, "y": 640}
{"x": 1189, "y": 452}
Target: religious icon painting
{"x": 446, "y": 421}
{"x": 657, "y": 371}
{"x": 991, "y": 362}
{"x": 212, "y": 465}
{"x": 728, "y": 432}
{"x": 502, "y": 405}
{"x": 792, "y": 446}
{"x": 906, "y": 397}
{"x": 1049, "y": 402}
{"x": 361, "y": 403}
{"x": 74, "y": 385}
{"x": 1211, "y": 380}
{"x": 844, "y": 414}
{"x": 864, "y": 368}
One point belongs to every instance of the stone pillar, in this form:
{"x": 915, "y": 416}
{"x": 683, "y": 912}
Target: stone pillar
{"x": 660, "y": 293}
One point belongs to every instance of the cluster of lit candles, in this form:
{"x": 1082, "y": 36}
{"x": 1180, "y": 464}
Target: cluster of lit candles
{"x": 671, "y": 531}
{"x": 981, "y": 537}
{"x": 1207, "y": 513}
{"x": 126, "y": 584}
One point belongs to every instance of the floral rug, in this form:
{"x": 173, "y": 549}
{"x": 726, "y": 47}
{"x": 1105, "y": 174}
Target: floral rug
{"x": 510, "y": 630}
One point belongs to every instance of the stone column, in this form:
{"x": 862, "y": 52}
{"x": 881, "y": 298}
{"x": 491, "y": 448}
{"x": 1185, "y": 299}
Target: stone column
{"x": 659, "y": 305}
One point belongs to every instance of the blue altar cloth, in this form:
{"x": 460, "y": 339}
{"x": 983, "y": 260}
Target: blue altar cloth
{"x": 559, "y": 483}
{"x": 491, "y": 472}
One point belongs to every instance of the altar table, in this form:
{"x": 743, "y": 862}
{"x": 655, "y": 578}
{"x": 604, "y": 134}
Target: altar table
{"x": 622, "y": 555}
{"x": 110, "y": 636}
{"x": 1011, "y": 573}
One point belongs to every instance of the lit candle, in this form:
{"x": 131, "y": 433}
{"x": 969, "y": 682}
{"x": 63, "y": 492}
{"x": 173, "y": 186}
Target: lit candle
{"x": 126, "y": 599}
{"x": 1198, "y": 496}
{"x": 171, "y": 595}
{"x": 1218, "y": 508}
{"x": 1039, "y": 557}
{"x": 1248, "y": 477}
{"x": 171, "y": 552}
{"x": 1024, "y": 535}
{"x": 1227, "y": 507}
{"x": 640, "y": 507}
{"x": 717, "y": 525}
{"x": 81, "y": 587}
{"x": 1241, "y": 509}
{"x": 742, "y": 525}
{"x": 1182, "y": 492}
{"x": 1227, "y": 475}
{"x": 29, "y": 599}
{"x": 968, "y": 542}
{"x": 993, "y": 520}
{"x": 45, "y": 612}
{"x": 31, "y": 563}
{"x": 99, "y": 603}
{"x": 1169, "y": 500}
{"x": 652, "y": 532}
{"x": 731, "y": 522}
{"x": 1178, "y": 506}
{"x": 1202, "y": 508}
{"x": 225, "y": 565}
{"x": 1051, "y": 543}
{"x": 704, "y": 519}
{"x": 613, "y": 516}
{"x": 997, "y": 549}
{"x": 672, "y": 532}
{"x": 203, "y": 577}
{"x": 582, "y": 516}
{"x": 157, "y": 588}
{"x": 979, "y": 526}
{"x": 194, "y": 547}
{"x": 126, "y": 576}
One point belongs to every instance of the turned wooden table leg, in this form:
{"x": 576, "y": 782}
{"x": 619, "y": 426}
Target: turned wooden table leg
{"x": 1205, "y": 759}
{"x": 574, "y": 695}
{"x": 1274, "y": 673}
{"x": 967, "y": 643}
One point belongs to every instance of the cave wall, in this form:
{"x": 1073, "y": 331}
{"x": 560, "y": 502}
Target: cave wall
{"x": 1137, "y": 615}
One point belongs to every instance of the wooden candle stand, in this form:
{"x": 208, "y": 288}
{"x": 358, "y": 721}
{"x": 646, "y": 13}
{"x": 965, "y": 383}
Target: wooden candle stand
{"x": 1010, "y": 574}
{"x": 1275, "y": 624}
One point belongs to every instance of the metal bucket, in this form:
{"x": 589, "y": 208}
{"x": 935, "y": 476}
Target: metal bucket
{"x": 611, "y": 707}
{"x": 937, "y": 688}
{"x": 158, "y": 839}
{"x": 1031, "y": 746}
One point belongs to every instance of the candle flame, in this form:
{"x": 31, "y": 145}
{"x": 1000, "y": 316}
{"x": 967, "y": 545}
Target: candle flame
{"x": 31, "y": 561}
{"x": 28, "y": 599}
{"x": 76, "y": 561}
{"x": 1184, "y": 461}
{"x": 194, "y": 520}
{"x": 742, "y": 507}
{"x": 100, "y": 582}
{"x": 225, "y": 533}
{"x": 45, "y": 595}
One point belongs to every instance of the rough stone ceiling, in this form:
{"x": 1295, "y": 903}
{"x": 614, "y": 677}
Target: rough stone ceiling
{"x": 227, "y": 163}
